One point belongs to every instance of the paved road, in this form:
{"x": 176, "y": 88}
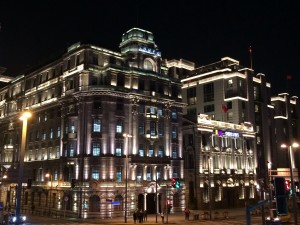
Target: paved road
{"x": 236, "y": 217}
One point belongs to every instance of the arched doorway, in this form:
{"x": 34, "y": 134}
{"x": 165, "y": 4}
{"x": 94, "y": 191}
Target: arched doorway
{"x": 151, "y": 203}
{"x": 141, "y": 202}
{"x": 94, "y": 203}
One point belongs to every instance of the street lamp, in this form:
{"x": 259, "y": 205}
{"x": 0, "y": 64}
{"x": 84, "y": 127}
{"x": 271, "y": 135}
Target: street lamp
{"x": 48, "y": 175}
{"x": 126, "y": 173}
{"x": 290, "y": 148}
{"x": 24, "y": 117}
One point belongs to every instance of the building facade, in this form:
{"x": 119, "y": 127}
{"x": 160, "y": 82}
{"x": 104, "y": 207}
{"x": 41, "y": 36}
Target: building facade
{"x": 220, "y": 164}
{"x": 105, "y": 136}
{"x": 229, "y": 93}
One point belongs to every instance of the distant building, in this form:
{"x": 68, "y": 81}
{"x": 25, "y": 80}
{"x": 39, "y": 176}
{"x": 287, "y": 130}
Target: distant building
{"x": 231, "y": 96}
{"x": 287, "y": 131}
{"x": 96, "y": 114}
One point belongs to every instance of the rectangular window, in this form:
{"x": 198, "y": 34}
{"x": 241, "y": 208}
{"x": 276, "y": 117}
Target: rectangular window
{"x": 97, "y": 125}
{"x": 149, "y": 173}
{"x": 96, "y": 148}
{"x": 119, "y": 127}
{"x": 118, "y": 149}
{"x": 119, "y": 174}
{"x": 142, "y": 127}
{"x": 58, "y": 132}
{"x": 95, "y": 173}
{"x": 229, "y": 83}
{"x": 174, "y": 114}
{"x": 160, "y": 152}
{"x": 141, "y": 109}
{"x": 141, "y": 151}
{"x": 209, "y": 108}
{"x": 152, "y": 128}
{"x": 51, "y": 133}
{"x": 208, "y": 92}
{"x": 174, "y": 132}
{"x": 139, "y": 173}
{"x": 174, "y": 152}
{"x": 161, "y": 128}
{"x": 57, "y": 153}
{"x": 72, "y": 150}
{"x": 191, "y": 96}
{"x": 151, "y": 151}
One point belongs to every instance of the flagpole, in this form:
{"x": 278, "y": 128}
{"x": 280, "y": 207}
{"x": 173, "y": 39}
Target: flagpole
{"x": 250, "y": 54}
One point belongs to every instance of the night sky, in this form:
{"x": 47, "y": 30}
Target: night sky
{"x": 35, "y": 32}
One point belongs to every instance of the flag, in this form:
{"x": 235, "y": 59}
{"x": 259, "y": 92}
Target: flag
{"x": 250, "y": 49}
{"x": 289, "y": 77}
{"x": 224, "y": 108}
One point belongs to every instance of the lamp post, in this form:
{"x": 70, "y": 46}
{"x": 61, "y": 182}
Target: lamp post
{"x": 209, "y": 189}
{"x": 24, "y": 117}
{"x": 126, "y": 173}
{"x": 270, "y": 188}
{"x": 290, "y": 148}
{"x": 50, "y": 178}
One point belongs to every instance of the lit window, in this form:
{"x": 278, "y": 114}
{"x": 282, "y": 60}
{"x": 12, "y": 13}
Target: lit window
{"x": 95, "y": 173}
{"x": 96, "y": 149}
{"x": 174, "y": 132}
{"x": 141, "y": 151}
{"x": 174, "y": 114}
{"x": 148, "y": 65}
{"x": 57, "y": 153}
{"x": 174, "y": 152}
{"x": 229, "y": 83}
{"x": 58, "y": 132}
{"x": 152, "y": 128}
{"x": 119, "y": 127}
{"x": 118, "y": 149}
{"x": 72, "y": 150}
{"x": 160, "y": 151}
{"x": 97, "y": 125}
{"x": 142, "y": 127}
{"x": 151, "y": 151}
{"x": 119, "y": 174}
{"x": 51, "y": 133}
{"x": 149, "y": 174}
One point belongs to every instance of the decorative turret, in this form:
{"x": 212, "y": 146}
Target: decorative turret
{"x": 140, "y": 50}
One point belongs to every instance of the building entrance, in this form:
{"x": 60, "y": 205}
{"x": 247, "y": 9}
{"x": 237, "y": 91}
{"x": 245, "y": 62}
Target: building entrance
{"x": 151, "y": 203}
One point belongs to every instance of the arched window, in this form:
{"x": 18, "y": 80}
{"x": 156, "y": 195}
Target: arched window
{"x": 149, "y": 64}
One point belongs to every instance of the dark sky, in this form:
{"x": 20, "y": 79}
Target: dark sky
{"x": 33, "y": 32}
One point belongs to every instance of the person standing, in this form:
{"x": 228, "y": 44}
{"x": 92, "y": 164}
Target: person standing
{"x": 135, "y": 214}
{"x": 162, "y": 215}
{"x": 187, "y": 213}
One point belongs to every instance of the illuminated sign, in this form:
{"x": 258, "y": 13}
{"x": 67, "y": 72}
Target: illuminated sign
{"x": 228, "y": 133}
{"x": 149, "y": 50}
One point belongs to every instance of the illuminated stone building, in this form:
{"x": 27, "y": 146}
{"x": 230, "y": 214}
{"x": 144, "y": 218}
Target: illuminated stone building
{"x": 97, "y": 113}
{"x": 233, "y": 98}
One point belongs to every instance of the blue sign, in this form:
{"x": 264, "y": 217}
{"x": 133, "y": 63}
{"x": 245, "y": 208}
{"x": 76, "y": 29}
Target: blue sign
{"x": 116, "y": 203}
{"x": 150, "y": 51}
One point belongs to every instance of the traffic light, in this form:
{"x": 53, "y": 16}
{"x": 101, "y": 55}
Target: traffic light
{"x": 73, "y": 183}
{"x": 173, "y": 182}
{"x": 177, "y": 183}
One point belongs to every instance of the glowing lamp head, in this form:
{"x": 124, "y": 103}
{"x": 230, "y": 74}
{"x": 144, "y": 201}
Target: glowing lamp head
{"x": 25, "y": 115}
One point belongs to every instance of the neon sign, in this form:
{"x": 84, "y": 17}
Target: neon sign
{"x": 228, "y": 133}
